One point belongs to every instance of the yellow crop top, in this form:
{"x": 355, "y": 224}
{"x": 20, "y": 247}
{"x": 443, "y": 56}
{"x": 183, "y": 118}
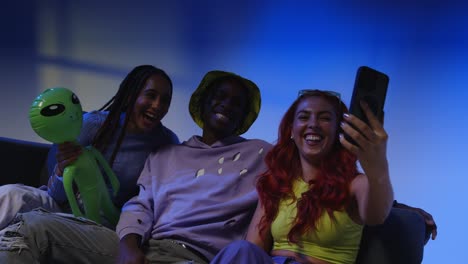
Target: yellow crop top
{"x": 334, "y": 241}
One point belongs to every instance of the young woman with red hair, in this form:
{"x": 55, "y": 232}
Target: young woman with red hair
{"x": 313, "y": 201}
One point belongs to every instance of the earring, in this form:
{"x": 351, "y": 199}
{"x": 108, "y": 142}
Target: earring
{"x": 292, "y": 137}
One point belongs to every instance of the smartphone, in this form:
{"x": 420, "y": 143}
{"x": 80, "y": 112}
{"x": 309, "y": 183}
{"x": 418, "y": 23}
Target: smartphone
{"x": 370, "y": 86}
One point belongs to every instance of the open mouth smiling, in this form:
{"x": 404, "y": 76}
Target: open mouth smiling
{"x": 152, "y": 117}
{"x": 313, "y": 138}
{"x": 222, "y": 117}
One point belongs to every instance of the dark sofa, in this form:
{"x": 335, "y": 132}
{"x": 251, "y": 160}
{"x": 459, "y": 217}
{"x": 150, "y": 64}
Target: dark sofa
{"x": 23, "y": 162}
{"x": 399, "y": 240}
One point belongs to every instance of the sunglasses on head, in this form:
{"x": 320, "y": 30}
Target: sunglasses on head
{"x": 318, "y": 92}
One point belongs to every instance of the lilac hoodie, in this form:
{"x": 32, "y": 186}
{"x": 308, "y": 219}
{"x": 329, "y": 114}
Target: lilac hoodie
{"x": 201, "y": 195}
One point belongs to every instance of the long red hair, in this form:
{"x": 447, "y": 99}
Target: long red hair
{"x": 330, "y": 191}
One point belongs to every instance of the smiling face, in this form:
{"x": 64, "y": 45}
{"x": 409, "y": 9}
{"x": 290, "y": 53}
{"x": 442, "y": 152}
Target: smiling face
{"x": 151, "y": 105}
{"x": 314, "y": 129}
{"x": 224, "y": 110}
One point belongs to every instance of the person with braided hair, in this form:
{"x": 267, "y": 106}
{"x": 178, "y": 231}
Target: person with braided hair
{"x": 125, "y": 130}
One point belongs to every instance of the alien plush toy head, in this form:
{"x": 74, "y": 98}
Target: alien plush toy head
{"x": 56, "y": 115}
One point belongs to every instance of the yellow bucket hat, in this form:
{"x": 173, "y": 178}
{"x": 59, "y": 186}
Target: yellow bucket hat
{"x": 254, "y": 100}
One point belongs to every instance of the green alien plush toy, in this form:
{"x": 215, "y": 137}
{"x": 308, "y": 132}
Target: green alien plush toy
{"x": 56, "y": 116}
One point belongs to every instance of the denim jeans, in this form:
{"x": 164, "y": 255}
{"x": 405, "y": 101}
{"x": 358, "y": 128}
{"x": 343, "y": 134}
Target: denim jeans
{"x": 242, "y": 251}
{"x": 39, "y": 236}
{"x": 19, "y": 198}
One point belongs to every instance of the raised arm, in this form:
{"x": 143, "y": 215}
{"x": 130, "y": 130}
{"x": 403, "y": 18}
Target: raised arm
{"x": 373, "y": 190}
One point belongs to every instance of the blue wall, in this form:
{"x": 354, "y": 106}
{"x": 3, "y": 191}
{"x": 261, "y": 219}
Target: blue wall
{"x": 283, "y": 47}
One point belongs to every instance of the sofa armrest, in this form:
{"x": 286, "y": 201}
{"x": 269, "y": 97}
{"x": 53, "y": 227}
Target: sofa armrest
{"x": 23, "y": 162}
{"x": 400, "y": 239}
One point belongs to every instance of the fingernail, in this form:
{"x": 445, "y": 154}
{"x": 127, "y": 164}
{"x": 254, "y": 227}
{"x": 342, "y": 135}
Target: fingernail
{"x": 346, "y": 115}
{"x": 342, "y": 124}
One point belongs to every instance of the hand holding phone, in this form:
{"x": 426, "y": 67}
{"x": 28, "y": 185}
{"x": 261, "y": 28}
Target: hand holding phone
{"x": 370, "y": 86}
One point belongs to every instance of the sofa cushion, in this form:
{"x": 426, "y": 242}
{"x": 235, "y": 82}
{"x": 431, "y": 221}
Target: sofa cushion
{"x": 400, "y": 239}
{"x": 22, "y": 160}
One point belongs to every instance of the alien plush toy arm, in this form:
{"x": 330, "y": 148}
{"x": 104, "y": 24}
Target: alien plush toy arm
{"x": 68, "y": 178}
{"x": 107, "y": 169}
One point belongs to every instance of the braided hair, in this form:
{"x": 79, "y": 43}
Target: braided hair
{"x": 123, "y": 102}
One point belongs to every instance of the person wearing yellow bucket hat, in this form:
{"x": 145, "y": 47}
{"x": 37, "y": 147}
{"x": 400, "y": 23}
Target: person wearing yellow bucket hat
{"x": 196, "y": 197}
{"x": 214, "y": 78}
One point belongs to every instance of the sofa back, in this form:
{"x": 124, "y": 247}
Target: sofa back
{"x": 400, "y": 239}
{"x": 21, "y": 160}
